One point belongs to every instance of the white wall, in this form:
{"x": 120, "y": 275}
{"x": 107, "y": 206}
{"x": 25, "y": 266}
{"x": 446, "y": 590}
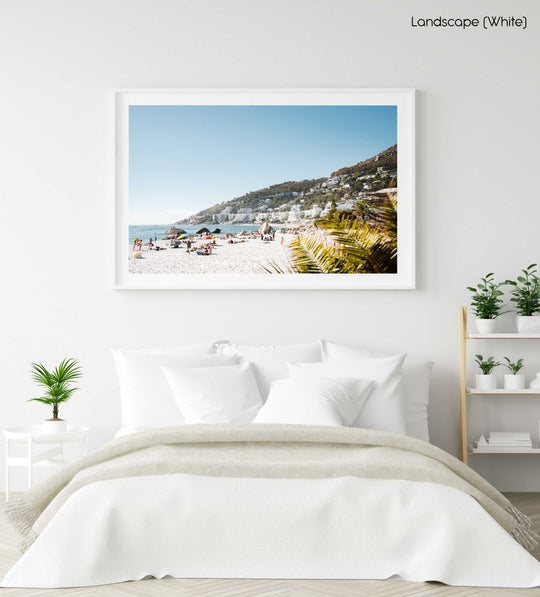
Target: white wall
{"x": 477, "y": 157}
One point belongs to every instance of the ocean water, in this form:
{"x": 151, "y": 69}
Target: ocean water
{"x": 145, "y": 232}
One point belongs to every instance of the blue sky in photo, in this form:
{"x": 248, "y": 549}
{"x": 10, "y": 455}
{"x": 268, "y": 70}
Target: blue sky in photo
{"x": 186, "y": 158}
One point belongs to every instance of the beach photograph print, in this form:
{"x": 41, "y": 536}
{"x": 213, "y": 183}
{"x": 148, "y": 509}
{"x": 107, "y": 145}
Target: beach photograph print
{"x": 277, "y": 194}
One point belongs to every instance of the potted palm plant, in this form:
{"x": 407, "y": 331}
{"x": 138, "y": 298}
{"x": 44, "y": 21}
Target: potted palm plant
{"x": 486, "y": 380}
{"x": 486, "y": 303}
{"x": 58, "y": 388}
{"x": 514, "y": 380}
{"x": 526, "y": 296}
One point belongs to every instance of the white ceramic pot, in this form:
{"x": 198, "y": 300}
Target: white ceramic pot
{"x": 514, "y": 382}
{"x": 54, "y": 426}
{"x": 528, "y": 324}
{"x": 486, "y": 326}
{"x": 535, "y": 382}
{"x": 486, "y": 382}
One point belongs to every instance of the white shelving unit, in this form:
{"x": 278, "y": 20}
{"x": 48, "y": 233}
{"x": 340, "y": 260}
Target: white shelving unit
{"x": 506, "y": 336}
{"x": 501, "y": 392}
{"x": 466, "y": 393}
{"x": 508, "y": 451}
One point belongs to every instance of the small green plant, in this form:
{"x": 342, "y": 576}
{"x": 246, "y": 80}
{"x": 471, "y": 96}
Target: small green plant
{"x": 58, "y": 384}
{"x": 526, "y": 291}
{"x": 487, "y": 365}
{"x": 513, "y": 367}
{"x": 486, "y": 300}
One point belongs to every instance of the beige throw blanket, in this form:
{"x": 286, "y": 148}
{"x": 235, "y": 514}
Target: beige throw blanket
{"x": 277, "y": 451}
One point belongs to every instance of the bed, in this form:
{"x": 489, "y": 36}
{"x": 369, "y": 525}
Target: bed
{"x": 298, "y": 461}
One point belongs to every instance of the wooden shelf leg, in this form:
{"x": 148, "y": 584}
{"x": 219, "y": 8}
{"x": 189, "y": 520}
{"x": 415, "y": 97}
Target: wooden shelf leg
{"x": 463, "y": 384}
{"x": 7, "y": 470}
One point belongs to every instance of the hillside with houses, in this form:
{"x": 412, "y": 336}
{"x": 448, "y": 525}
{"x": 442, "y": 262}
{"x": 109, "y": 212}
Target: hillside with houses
{"x": 306, "y": 200}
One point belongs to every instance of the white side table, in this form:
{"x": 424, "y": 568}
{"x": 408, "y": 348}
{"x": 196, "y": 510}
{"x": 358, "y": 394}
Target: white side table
{"x": 33, "y": 435}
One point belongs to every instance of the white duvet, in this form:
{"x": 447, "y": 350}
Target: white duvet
{"x": 185, "y": 526}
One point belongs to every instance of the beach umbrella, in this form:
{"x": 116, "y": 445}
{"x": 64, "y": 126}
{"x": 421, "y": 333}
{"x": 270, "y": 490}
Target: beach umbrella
{"x": 203, "y": 231}
{"x": 265, "y": 228}
{"x": 217, "y": 231}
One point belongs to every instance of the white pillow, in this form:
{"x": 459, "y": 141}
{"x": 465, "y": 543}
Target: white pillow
{"x": 416, "y": 381}
{"x": 224, "y": 395}
{"x": 146, "y": 399}
{"x": 384, "y": 407}
{"x": 186, "y": 349}
{"x": 315, "y": 401}
{"x": 269, "y": 361}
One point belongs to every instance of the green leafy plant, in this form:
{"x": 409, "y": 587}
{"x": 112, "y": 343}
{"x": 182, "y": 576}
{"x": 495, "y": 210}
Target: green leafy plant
{"x": 513, "y": 367}
{"x": 526, "y": 291}
{"x": 486, "y": 300}
{"x": 487, "y": 365}
{"x": 58, "y": 384}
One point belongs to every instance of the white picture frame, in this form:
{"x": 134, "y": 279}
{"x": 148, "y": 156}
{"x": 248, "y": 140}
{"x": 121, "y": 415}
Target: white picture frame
{"x": 402, "y": 99}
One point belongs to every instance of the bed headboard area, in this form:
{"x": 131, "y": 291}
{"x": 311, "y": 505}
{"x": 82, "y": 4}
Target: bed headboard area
{"x": 318, "y": 382}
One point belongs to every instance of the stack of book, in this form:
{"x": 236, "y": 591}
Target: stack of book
{"x": 504, "y": 441}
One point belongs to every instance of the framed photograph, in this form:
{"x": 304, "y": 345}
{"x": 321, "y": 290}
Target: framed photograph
{"x": 265, "y": 188}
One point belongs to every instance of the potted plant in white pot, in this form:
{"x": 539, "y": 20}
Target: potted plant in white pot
{"x": 526, "y": 296}
{"x": 486, "y": 303}
{"x": 58, "y": 385}
{"x": 486, "y": 380}
{"x": 514, "y": 380}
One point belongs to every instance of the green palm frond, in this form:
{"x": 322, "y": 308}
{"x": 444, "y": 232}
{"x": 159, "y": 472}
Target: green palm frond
{"x": 312, "y": 256}
{"x": 43, "y": 400}
{"x": 389, "y": 218}
{"x": 365, "y": 250}
{"x": 362, "y": 241}
{"x": 67, "y": 371}
{"x": 40, "y": 375}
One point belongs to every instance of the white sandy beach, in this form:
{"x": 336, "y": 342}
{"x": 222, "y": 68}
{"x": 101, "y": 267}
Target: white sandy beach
{"x": 245, "y": 257}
